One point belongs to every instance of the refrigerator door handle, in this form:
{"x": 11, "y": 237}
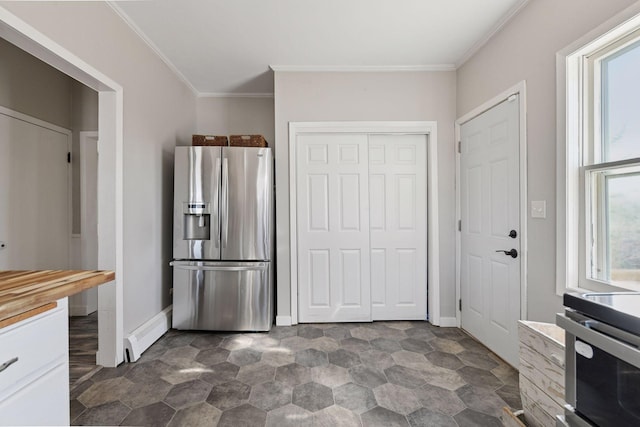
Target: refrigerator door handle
{"x": 261, "y": 266}
{"x": 216, "y": 205}
{"x": 224, "y": 211}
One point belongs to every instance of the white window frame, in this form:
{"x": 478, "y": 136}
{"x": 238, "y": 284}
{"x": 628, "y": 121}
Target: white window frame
{"x": 575, "y": 74}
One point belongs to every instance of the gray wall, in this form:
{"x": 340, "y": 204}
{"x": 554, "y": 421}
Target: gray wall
{"x": 236, "y": 116}
{"x": 32, "y": 87}
{"x": 354, "y": 96}
{"x": 525, "y": 50}
{"x": 159, "y": 113}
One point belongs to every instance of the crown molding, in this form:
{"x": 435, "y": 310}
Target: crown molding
{"x": 121, "y": 13}
{"x": 361, "y": 68}
{"x": 234, "y": 95}
{"x": 493, "y": 31}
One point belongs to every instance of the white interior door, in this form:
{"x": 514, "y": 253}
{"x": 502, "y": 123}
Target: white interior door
{"x": 490, "y": 209}
{"x": 333, "y": 228}
{"x": 398, "y": 218}
{"x": 34, "y": 196}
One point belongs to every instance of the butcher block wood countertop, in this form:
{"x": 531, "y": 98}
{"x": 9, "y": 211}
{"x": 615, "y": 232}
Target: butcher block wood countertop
{"x": 29, "y": 292}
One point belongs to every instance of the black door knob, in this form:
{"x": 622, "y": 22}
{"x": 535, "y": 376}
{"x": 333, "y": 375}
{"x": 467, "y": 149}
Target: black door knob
{"x": 512, "y": 253}
{"x": 513, "y": 234}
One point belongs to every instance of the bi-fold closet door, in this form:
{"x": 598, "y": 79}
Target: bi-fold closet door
{"x": 361, "y": 227}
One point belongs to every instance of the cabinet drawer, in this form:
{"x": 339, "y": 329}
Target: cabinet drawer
{"x": 43, "y": 402}
{"x": 39, "y": 343}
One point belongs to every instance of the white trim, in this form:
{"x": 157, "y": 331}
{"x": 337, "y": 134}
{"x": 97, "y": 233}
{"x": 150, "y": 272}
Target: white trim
{"x": 88, "y": 298}
{"x": 283, "y": 321}
{"x": 521, "y": 89}
{"x": 499, "y": 25}
{"x": 569, "y": 127}
{"x": 69, "y": 136}
{"x": 110, "y": 170}
{"x": 78, "y": 310}
{"x": 16, "y": 31}
{"x": 361, "y": 68}
{"x": 111, "y": 251}
{"x": 34, "y": 121}
{"x": 84, "y": 137}
{"x": 144, "y": 336}
{"x": 234, "y": 95}
{"x": 429, "y": 128}
{"x": 122, "y": 14}
{"x": 448, "y": 322}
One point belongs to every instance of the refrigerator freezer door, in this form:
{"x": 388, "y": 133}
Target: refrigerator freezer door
{"x": 196, "y": 222}
{"x": 222, "y": 296}
{"x": 247, "y": 203}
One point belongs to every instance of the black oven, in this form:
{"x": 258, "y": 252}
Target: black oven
{"x": 602, "y": 359}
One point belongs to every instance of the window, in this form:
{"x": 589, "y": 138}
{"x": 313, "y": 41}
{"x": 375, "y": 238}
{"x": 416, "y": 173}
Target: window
{"x": 599, "y": 204}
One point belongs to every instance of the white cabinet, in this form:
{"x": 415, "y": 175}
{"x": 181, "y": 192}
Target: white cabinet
{"x": 34, "y": 390}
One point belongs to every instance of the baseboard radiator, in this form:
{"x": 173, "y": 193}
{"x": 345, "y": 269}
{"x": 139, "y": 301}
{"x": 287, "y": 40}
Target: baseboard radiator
{"x": 144, "y": 336}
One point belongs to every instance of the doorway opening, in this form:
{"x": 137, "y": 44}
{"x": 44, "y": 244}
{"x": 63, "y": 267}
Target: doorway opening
{"x": 110, "y": 175}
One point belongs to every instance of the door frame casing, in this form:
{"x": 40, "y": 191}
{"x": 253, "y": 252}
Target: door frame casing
{"x": 110, "y": 175}
{"x": 85, "y": 137}
{"x": 428, "y": 128}
{"x": 518, "y": 89}
{"x": 86, "y": 240}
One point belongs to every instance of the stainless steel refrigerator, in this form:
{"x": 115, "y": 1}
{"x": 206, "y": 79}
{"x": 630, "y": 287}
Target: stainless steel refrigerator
{"x": 223, "y": 239}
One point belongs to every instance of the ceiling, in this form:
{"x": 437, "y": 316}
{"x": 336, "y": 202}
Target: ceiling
{"x": 227, "y": 46}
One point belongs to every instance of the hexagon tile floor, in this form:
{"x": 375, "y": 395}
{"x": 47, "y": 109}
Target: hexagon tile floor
{"x": 366, "y": 374}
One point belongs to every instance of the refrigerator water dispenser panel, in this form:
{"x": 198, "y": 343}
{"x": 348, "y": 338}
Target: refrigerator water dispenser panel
{"x": 196, "y": 221}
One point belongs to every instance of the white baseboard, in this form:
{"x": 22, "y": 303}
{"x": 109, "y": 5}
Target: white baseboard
{"x": 283, "y": 320}
{"x": 79, "y": 310}
{"x": 144, "y": 336}
{"x": 448, "y": 322}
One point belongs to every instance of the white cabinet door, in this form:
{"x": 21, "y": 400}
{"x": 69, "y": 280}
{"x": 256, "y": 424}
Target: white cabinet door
{"x": 44, "y": 402}
{"x": 34, "y": 200}
{"x": 398, "y": 218}
{"x": 333, "y": 228}
{"x": 34, "y": 389}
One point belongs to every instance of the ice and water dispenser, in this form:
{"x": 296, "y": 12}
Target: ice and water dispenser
{"x": 197, "y": 221}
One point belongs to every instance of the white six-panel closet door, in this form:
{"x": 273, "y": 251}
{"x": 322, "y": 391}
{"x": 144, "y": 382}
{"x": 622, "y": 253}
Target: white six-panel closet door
{"x": 333, "y": 228}
{"x": 398, "y": 219}
{"x": 361, "y": 227}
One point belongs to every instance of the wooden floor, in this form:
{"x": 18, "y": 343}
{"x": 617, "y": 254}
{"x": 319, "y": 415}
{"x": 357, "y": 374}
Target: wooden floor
{"x": 83, "y": 345}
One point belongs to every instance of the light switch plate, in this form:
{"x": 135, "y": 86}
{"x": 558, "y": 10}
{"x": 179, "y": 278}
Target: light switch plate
{"x": 538, "y": 209}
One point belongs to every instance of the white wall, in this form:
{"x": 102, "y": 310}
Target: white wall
{"x": 159, "y": 113}
{"x": 362, "y": 97}
{"x": 525, "y": 50}
{"x": 235, "y": 116}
